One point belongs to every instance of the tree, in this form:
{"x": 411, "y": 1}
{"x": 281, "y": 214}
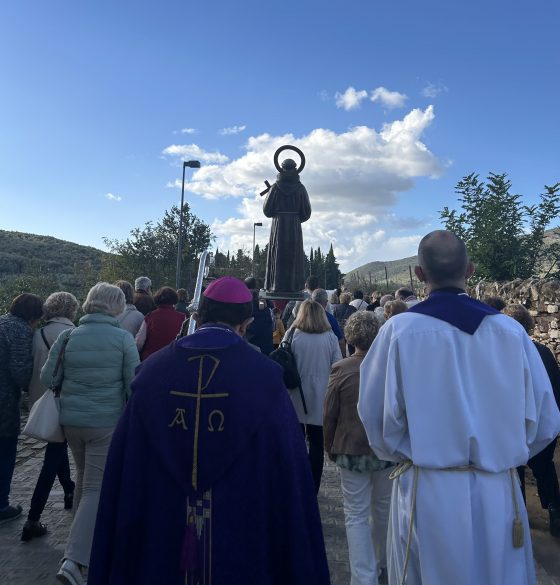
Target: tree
{"x": 152, "y": 250}
{"x": 332, "y": 272}
{"x": 41, "y": 285}
{"x": 505, "y": 238}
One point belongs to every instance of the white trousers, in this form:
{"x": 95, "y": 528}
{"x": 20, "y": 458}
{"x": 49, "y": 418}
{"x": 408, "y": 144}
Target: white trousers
{"x": 367, "y": 499}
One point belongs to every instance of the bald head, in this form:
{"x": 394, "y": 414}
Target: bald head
{"x": 443, "y": 259}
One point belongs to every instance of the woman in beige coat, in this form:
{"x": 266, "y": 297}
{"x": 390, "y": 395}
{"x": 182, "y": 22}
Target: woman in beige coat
{"x": 366, "y": 487}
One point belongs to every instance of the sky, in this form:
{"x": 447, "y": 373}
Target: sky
{"x": 391, "y": 102}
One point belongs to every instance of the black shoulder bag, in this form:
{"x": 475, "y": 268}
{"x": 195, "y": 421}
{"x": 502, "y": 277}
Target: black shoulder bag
{"x": 283, "y": 355}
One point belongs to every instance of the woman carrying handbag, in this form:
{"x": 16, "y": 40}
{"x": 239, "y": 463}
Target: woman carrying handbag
{"x": 59, "y": 312}
{"x": 96, "y": 372}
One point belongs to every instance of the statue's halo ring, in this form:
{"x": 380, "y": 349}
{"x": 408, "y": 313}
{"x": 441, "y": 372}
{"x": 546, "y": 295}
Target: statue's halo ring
{"x": 295, "y": 149}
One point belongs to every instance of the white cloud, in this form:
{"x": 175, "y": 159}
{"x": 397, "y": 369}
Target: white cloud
{"x": 363, "y": 166}
{"x": 186, "y": 131}
{"x": 232, "y": 130}
{"x": 113, "y": 197}
{"x": 390, "y": 99}
{"x": 350, "y": 99}
{"x": 353, "y": 179}
{"x": 324, "y": 95}
{"x": 193, "y": 151}
{"x": 432, "y": 90}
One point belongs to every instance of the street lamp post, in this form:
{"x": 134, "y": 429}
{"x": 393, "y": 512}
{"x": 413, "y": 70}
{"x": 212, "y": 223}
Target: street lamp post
{"x": 254, "y": 226}
{"x": 192, "y": 164}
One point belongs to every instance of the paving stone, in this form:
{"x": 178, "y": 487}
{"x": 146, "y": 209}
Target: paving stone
{"x": 36, "y": 562}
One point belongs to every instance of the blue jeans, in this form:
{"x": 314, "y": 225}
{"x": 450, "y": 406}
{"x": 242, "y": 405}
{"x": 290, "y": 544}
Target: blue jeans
{"x": 55, "y": 464}
{"x": 8, "y": 449}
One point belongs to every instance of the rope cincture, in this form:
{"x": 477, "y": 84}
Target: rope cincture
{"x": 517, "y": 528}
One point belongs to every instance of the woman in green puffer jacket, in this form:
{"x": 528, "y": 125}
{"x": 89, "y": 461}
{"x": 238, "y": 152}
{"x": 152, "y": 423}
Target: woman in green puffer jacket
{"x": 97, "y": 368}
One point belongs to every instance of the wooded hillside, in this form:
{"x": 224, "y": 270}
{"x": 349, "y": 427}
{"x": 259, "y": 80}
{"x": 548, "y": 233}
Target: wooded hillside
{"x": 43, "y": 264}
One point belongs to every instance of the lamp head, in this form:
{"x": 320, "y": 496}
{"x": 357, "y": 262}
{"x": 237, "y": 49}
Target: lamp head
{"x": 259, "y": 224}
{"x": 193, "y": 164}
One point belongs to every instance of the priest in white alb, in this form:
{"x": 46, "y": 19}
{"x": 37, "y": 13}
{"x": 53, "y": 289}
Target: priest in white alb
{"x": 457, "y": 394}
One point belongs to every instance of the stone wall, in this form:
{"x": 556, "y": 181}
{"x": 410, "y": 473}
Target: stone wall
{"x": 540, "y": 297}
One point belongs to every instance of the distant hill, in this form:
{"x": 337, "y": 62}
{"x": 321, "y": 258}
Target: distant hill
{"x": 552, "y": 236}
{"x": 42, "y": 264}
{"x": 372, "y": 274}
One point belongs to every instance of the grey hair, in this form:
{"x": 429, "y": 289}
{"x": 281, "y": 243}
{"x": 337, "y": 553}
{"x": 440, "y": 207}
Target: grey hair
{"x": 385, "y": 299}
{"x": 142, "y": 283}
{"x": 105, "y": 298}
{"x": 333, "y": 299}
{"x": 345, "y": 298}
{"x": 320, "y": 295}
{"x": 60, "y": 304}
{"x": 361, "y": 329}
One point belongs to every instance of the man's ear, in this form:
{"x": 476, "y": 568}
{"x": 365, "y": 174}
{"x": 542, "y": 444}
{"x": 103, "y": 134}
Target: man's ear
{"x": 243, "y": 327}
{"x": 419, "y": 274}
{"x": 470, "y": 270}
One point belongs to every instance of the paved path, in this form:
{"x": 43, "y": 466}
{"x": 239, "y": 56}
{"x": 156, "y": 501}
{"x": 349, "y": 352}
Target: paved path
{"x": 36, "y": 562}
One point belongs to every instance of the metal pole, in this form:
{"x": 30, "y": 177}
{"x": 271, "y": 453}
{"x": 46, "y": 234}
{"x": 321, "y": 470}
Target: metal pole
{"x": 410, "y": 271}
{"x": 180, "y": 238}
{"x": 253, "y": 262}
{"x": 386, "y": 278}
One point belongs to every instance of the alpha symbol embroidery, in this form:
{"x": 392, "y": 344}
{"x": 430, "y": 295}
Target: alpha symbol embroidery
{"x": 179, "y": 419}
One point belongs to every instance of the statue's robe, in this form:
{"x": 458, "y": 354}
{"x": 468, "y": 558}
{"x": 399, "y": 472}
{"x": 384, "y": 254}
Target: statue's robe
{"x": 288, "y": 204}
{"x": 255, "y": 514}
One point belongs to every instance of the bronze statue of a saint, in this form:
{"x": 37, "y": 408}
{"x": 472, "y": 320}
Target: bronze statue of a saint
{"x": 288, "y": 204}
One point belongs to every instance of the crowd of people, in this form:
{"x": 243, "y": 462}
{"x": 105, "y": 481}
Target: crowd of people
{"x": 194, "y": 464}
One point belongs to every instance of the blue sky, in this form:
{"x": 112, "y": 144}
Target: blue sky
{"x": 392, "y": 102}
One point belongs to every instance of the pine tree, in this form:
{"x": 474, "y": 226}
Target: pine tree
{"x": 332, "y": 272}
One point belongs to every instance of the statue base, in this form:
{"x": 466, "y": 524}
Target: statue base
{"x": 281, "y": 296}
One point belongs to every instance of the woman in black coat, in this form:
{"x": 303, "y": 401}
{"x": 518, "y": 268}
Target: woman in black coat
{"x": 16, "y": 366}
{"x": 542, "y": 464}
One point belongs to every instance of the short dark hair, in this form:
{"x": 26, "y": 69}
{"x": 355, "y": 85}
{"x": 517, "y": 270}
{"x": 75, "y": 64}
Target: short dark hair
{"x": 251, "y": 282}
{"x": 166, "y": 296}
{"x": 443, "y": 257}
{"x": 358, "y": 294}
{"x": 182, "y": 294}
{"x": 403, "y": 293}
{"x": 27, "y": 307}
{"x": 497, "y": 302}
{"x": 211, "y": 311}
{"x": 312, "y": 282}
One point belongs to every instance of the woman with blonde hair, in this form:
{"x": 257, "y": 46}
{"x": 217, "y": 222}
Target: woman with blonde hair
{"x": 96, "y": 370}
{"x": 392, "y": 308}
{"x": 315, "y": 348}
